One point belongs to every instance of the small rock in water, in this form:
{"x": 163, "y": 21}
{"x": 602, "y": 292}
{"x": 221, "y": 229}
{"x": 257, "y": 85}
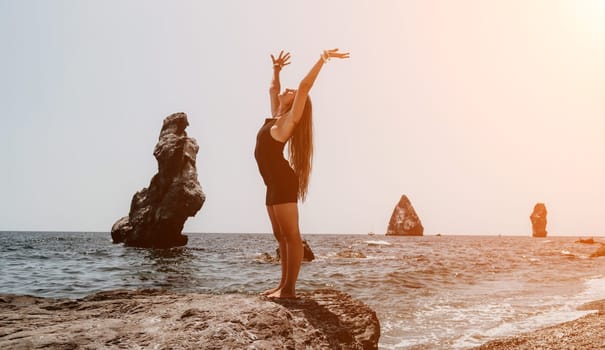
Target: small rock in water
{"x": 599, "y": 252}
{"x": 350, "y": 254}
{"x": 307, "y": 252}
{"x": 267, "y": 258}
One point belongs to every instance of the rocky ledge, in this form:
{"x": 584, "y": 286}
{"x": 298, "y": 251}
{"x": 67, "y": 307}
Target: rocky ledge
{"x": 160, "y": 319}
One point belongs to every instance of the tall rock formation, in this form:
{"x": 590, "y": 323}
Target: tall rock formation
{"x": 404, "y": 220}
{"x": 538, "y": 220}
{"x": 158, "y": 212}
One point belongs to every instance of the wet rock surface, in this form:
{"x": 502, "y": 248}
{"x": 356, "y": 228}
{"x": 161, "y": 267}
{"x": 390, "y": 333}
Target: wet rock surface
{"x": 159, "y": 319}
{"x": 158, "y": 212}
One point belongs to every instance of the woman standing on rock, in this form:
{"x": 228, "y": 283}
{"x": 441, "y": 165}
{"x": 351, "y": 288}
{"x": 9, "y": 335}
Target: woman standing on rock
{"x": 288, "y": 181}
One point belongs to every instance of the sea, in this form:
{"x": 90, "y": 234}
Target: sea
{"x": 433, "y": 292}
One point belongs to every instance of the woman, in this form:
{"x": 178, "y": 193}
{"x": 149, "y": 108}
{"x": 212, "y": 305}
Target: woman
{"x": 288, "y": 181}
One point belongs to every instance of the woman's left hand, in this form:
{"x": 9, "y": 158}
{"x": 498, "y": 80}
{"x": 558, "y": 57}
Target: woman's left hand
{"x": 327, "y": 54}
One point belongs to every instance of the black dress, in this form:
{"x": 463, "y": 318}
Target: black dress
{"x": 280, "y": 178}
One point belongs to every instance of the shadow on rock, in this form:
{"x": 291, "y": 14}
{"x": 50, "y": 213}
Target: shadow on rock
{"x": 337, "y": 320}
{"x": 151, "y": 318}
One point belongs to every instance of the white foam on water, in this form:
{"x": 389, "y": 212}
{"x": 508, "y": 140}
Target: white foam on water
{"x": 385, "y": 243}
{"x": 595, "y": 289}
{"x": 426, "y": 329}
{"x": 564, "y": 312}
{"x": 427, "y": 337}
{"x": 522, "y": 326}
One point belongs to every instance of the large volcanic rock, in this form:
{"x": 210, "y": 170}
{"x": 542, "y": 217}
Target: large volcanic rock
{"x": 404, "y": 221}
{"x": 155, "y": 319}
{"x": 158, "y": 212}
{"x": 538, "y": 220}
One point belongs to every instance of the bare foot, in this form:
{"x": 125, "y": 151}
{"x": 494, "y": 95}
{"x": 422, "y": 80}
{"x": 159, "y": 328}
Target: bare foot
{"x": 281, "y": 294}
{"x": 270, "y": 291}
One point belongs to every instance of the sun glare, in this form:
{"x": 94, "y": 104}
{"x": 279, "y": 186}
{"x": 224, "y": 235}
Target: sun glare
{"x": 590, "y": 16}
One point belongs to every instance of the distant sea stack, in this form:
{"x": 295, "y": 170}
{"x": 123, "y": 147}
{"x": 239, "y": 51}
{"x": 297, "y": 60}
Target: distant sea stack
{"x": 404, "y": 220}
{"x": 538, "y": 220}
{"x": 158, "y": 212}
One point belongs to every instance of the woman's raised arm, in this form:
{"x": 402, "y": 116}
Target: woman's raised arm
{"x": 307, "y": 83}
{"x": 278, "y": 63}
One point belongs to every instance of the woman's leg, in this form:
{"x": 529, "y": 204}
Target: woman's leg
{"x": 286, "y": 216}
{"x": 279, "y": 237}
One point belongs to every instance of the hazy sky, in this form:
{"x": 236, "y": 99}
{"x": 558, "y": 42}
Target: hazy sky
{"x": 475, "y": 109}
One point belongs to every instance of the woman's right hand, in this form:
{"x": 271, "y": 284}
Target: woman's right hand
{"x": 281, "y": 60}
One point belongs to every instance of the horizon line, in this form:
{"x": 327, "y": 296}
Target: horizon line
{"x": 369, "y": 234}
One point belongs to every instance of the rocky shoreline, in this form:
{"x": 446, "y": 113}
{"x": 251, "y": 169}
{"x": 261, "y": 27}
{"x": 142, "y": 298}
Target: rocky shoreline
{"x": 152, "y": 318}
{"x": 587, "y": 332}
{"x": 160, "y": 319}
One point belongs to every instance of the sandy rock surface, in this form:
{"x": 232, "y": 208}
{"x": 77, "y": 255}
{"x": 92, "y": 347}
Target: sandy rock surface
{"x": 156, "y": 319}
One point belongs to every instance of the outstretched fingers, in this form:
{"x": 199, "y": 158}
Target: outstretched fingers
{"x": 341, "y": 55}
{"x": 281, "y": 60}
{"x": 284, "y": 57}
{"x": 333, "y": 53}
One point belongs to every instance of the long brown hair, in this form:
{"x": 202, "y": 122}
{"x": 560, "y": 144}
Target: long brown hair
{"x": 300, "y": 149}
